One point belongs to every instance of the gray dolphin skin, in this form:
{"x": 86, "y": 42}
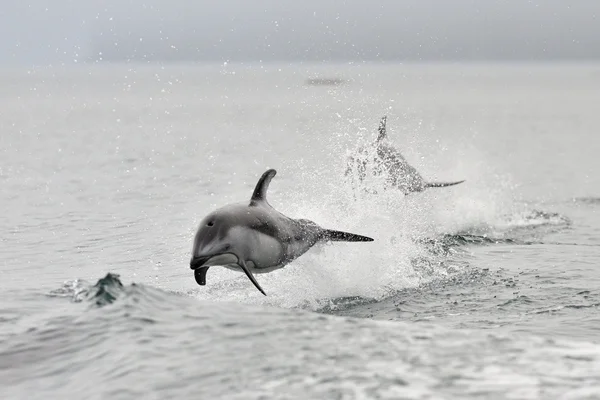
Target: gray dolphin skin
{"x": 386, "y": 159}
{"x": 255, "y": 238}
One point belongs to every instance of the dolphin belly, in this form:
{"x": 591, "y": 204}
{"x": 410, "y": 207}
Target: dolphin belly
{"x": 263, "y": 253}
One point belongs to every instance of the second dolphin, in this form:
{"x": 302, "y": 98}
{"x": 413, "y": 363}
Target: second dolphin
{"x": 386, "y": 160}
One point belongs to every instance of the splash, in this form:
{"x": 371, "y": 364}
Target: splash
{"x": 397, "y": 259}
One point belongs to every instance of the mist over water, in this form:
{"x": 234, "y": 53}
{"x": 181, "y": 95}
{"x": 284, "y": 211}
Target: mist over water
{"x": 98, "y": 31}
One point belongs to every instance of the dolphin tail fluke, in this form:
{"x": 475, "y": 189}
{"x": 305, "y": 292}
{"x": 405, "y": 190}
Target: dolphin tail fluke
{"x": 441, "y": 184}
{"x": 251, "y": 277}
{"x": 339, "y": 236}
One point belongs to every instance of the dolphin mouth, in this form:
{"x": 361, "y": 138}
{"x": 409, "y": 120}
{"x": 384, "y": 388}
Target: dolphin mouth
{"x": 201, "y": 264}
{"x": 198, "y": 262}
{"x": 222, "y": 259}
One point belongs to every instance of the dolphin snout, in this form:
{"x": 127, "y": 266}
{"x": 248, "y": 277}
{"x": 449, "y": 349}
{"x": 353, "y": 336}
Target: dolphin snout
{"x": 201, "y": 264}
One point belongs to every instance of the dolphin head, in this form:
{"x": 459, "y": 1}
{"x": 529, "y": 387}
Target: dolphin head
{"x": 226, "y": 235}
{"x": 213, "y": 244}
{"x": 222, "y": 240}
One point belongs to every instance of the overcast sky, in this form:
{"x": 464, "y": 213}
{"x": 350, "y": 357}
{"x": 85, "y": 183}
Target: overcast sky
{"x": 56, "y": 31}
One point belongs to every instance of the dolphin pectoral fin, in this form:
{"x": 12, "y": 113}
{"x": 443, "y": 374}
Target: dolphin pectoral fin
{"x": 242, "y": 264}
{"x": 200, "y": 275}
{"x": 441, "y": 184}
{"x": 339, "y": 236}
{"x": 260, "y": 191}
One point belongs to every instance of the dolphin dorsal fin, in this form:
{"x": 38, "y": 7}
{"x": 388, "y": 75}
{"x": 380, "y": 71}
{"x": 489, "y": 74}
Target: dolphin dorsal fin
{"x": 260, "y": 191}
{"x": 382, "y": 129}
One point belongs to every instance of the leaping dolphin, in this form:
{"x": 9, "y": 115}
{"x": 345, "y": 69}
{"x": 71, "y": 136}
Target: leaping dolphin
{"x": 256, "y": 238}
{"x": 388, "y": 160}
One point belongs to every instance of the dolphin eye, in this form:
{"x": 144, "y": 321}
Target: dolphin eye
{"x": 210, "y": 223}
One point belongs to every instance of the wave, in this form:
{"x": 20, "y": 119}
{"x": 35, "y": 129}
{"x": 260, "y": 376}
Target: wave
{"x": 131, "y": 341}
{"x": 104, "y": 292}
{"x": 518, "y": 229}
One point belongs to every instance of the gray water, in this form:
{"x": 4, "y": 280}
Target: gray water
{"x": 485, "y": 290}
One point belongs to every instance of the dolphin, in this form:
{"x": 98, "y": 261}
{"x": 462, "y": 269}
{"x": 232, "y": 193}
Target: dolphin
{"x": 388, "y": 160}
{"x": 255, "y": 238}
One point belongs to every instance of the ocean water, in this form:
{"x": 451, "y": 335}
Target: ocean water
{"x": 485, "y": 290}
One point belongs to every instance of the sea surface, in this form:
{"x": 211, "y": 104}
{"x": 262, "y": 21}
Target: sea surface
{"x": 485, "y": 290}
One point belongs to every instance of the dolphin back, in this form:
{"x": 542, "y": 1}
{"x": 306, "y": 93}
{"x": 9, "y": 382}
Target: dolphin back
{"x": 340, "y": 236}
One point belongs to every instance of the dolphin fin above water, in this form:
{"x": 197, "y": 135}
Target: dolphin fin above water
{"x": 382, "y": 128}
{"x": 260, "y": 191}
